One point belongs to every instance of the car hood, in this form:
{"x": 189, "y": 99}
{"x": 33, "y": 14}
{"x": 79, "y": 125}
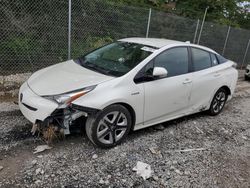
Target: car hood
{"x": 64, "y": 77}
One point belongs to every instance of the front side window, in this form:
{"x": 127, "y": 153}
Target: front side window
{"x": 174, "y": 60}
{"x": 201, "y": 59}
{"x": 116, "y": 59}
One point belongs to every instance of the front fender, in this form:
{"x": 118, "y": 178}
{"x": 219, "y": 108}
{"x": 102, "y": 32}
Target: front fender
{"x": 107, "y": 94}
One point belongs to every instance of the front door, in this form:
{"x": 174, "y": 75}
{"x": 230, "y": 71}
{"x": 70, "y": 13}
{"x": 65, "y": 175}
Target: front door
{"x": 168, "y": 97}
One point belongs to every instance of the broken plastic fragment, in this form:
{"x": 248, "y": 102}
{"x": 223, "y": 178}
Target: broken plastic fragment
{"x": 143, "y": 170}
{"x": 155, "y": 150}
{"x": 41, "y": 148}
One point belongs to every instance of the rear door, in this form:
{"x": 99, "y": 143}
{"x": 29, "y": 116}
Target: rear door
{"x": 206, "y": 78}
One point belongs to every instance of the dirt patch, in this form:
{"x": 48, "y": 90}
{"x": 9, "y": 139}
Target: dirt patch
{"x": 13, "y": 163}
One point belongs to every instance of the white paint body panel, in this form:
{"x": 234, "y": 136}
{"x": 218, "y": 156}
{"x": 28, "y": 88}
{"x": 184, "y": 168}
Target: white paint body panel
{"x": 44, "y": 107}
{"x": 166, "y": 97}
{"x": 64, "y": 77}
{"x": 207, "y": 82}
{"x": 153, "y": 102}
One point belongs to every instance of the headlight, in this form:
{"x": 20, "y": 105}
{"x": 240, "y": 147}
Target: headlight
{"x": 67, "y": 98}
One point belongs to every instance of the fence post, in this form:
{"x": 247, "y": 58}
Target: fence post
{"x": 69, "y": 31}
{"x": 196, "y": 30}
{"x": 4, "y": 82}
{"x": 225, "y": 44}
{"x": 202, "y": 25}
{"x": 245, "y": 55}
{"x": 149, "y": 20}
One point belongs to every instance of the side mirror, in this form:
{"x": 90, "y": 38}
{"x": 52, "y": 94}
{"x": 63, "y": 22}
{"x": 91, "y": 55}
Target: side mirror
{"x": 160, "y": 72}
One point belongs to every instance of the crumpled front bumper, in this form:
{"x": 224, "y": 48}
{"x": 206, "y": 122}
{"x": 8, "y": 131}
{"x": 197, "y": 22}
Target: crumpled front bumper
{"x": 34, "y": 107}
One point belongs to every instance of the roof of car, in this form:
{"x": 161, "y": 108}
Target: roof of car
{"x": 154, "y": 42}
{"x": 160, "y": 42}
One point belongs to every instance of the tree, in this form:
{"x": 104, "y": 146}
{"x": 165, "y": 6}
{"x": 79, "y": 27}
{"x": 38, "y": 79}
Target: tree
{"x": 228, "y": 12}
{"x": 223, "y": 12}
{"x": 243, "y": 16}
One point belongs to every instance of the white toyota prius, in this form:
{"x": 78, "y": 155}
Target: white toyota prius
{"x": 130, "y": 84}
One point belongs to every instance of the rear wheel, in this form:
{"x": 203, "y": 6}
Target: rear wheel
{"x": 218, "y": 102}
{"x": 109, "y": 126}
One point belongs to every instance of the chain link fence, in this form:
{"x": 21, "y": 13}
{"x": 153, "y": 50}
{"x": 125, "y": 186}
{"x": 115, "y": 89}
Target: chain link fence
{"x": 36, "y": 34}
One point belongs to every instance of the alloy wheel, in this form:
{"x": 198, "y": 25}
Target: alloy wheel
{"x": 112, "y": 127}
{"x": 219, "y": 101}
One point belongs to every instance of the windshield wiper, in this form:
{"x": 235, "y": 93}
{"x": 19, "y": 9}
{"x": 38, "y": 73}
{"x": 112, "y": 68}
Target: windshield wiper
{"x": 82, "y": 62}
{"x": 97, "y": 68}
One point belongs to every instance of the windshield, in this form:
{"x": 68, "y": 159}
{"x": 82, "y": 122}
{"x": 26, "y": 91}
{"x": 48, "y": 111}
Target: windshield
{"x": 115, "y": 59}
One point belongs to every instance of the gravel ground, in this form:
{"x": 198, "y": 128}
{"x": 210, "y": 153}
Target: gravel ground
{"x": 222, "y": 158}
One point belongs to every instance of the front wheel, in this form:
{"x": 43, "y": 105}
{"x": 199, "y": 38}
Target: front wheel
{"x": 218, "y": 102}
{"x": 109, "y": 126}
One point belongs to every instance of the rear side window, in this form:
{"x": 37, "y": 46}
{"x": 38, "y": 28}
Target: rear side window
{"x": 201, "y": 59}
{"x": 221, "y": 59}
{"x": 214, "y": 60}
{"x": 175, "y": 60}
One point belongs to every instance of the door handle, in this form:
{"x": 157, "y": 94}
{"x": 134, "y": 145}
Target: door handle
{"x": 187, "y": 81}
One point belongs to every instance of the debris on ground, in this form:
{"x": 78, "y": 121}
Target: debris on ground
{"x": 39, "y": 171}
{"x": 194, "y": 149}
{"x": 143, "y": 169}
{"x": 34, "y": 129}
{"x": 199, "y": 130}
{"x": 41, "y": 148}
{"x": 34, "y": 162}
{"x": 101, "y": 181}
{"x": 155, "y": 150}
{"x": 1, "y": 168}
{"x": 159, "y": 127}
{"x": 95, "y": 156}
{"x": 38, "y": 182}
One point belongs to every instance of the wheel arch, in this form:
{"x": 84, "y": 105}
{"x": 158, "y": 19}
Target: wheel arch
{"x": 228, "y": 92}
{"x": 131, "y": 111}
{"x": 227, "y": 89}
{"x": 222, "y": 87}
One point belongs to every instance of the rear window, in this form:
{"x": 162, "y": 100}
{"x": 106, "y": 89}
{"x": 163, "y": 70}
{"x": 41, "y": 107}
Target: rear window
{"x": 221, "y": 59}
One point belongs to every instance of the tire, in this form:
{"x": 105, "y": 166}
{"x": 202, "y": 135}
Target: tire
{"x": 218, "y": 102}
{"x": 109, "y": 127}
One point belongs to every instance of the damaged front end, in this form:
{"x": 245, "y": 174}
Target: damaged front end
{"x": 62, "y": 122}
{"x": 53, "y": 115}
